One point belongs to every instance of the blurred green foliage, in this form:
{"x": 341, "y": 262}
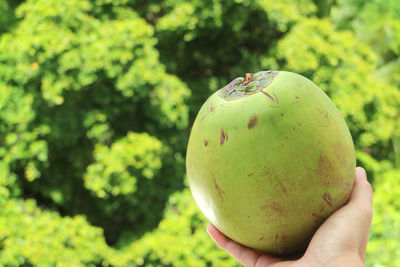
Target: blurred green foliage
{"x": 31, "y": 236}
{"x": 95, "y": 112}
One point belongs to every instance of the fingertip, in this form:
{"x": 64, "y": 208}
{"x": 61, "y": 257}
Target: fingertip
{"x": 211, "y": 231}
{"x": 210, "y": 228}
{"x": 243, "y": 254}
{"x": 218, "y": 237}
{"x": 361, "y": 173}
{"x": 361, "y": 179}
{"x": 362, "y": 195}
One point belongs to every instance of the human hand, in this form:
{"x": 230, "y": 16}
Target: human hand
{"x": 340, "y": 241}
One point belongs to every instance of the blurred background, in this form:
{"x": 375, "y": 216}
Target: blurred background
{"x": 97, "y": 99}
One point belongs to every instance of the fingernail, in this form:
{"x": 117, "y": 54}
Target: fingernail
{"x": 362, "y": 172}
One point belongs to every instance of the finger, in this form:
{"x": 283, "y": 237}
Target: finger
{"x": 244, "y": 255}
{"x": 361, "y": 200}
{"x": 362, "y": 195}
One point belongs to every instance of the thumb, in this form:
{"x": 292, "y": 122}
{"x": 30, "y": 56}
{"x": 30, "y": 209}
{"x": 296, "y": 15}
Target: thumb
{"x": 361, "y": 199}
{"x": 347, "y": 228}
{"x": 360, "y": 205}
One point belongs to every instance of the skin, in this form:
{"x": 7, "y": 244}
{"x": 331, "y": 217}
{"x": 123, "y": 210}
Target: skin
{"x": 267, "y": 168}
{"x": 340, "y": 241}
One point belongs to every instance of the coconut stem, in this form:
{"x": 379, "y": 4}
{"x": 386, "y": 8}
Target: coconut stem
{"x": 247, "y": 79}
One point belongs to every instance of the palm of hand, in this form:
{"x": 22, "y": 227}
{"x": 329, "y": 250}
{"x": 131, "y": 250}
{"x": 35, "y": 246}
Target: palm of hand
{"x": 340, "y": 241}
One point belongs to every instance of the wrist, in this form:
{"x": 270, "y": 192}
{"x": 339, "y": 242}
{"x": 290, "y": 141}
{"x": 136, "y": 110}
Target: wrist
{"x": 352, "y": 259}
{"x": 346, "y": 259}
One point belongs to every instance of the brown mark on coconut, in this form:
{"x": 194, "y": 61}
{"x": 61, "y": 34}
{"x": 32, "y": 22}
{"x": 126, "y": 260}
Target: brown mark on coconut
{"x": 325, "y": 170}
{"x": 276, "y": 97}
{"x": 219, "y": 189}
{"x": 205, "y": 142}
{"x": 268, "y": 95}
{"x": 340, "y": 151}
{"x": 283, "y": 188}
{"x": 346, "y": 197}
{"x": 284, "y": 240}
{"x": 250, "y": 174}
{"x": 252, "y": 122}
{"x": 275, "y": 245}
{"x": 269, "y": 174}
{"x": 297, "y": 97}
{"x": 282, "y": 115}
{"x": 261, "y": 238}
{"x": 224, "y": 136}
{"x": 327, "y": 197}
{"x": 212, "y": 108}
{"x": 323, "y": 113}
{"x": 274, "y": 207}
{"x": 317, "y": 216}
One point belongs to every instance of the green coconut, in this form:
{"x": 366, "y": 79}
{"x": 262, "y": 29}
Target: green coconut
{"x": 269, "y": 158}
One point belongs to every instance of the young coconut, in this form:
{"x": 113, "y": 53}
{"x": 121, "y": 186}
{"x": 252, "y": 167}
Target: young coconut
{"x": 269, "y": 158}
